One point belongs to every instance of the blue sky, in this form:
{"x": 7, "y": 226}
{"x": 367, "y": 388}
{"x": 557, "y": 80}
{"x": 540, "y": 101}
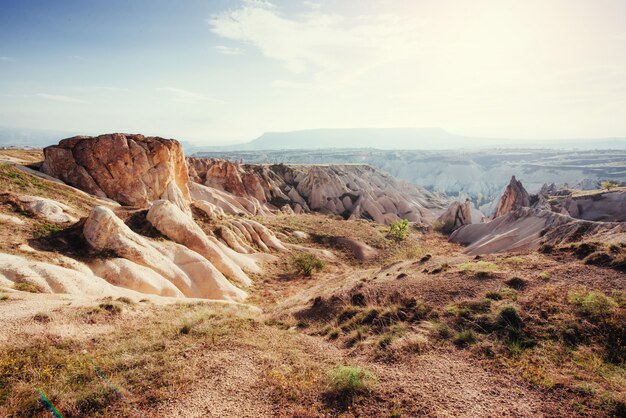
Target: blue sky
{"x": 229, "y": 70}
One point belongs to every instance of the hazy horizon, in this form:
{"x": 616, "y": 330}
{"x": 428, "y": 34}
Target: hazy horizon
{"x": 227, "y": 71}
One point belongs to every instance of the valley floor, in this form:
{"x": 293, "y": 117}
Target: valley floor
{"x": 420, "y": 329}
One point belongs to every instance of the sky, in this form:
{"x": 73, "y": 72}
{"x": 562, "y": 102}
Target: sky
{"x": 219, "y": 71}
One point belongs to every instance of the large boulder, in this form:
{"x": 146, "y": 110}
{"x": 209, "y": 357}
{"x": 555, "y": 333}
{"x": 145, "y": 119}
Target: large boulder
{"x": 130, "y": 169}
{"x": 515, "y": 197}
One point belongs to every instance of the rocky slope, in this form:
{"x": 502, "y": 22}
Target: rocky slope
{"x": 480, "y": 175}
{"x": 552, "y": 217}
{"x": 350, "y": 191}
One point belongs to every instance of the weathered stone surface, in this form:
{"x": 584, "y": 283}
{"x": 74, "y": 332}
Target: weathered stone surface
{"x": 40, "y": 207}
{"x": 527, "y": 228}
{"x": 171, "y": 222}
{"x": 130, "y": 169}
{"x": 514, "y": 197}
{"x": 50, "y": 278}
{"x": 192, "y": 274}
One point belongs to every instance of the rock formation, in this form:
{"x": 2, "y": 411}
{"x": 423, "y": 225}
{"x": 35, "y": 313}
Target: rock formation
{"x": 514, "y": 197}
{"x": 457, "y": 215}
{"x": 189, "y": 272}
{"x": 130, "y": 169}
{"x": 351, "y": 191}
{"x": 528, "y": 228}
{"x": 50, "y": 278}
{"x": 40, "y": 207}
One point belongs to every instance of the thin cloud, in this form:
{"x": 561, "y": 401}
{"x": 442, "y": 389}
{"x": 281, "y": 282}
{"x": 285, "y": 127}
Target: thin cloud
{"x": 7, "y": 59}
{"x": 227, "y": 50}
{"x": 59, "y": 98}
{"x": 185, "y": 96}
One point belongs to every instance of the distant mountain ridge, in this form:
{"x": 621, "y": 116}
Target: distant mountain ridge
{"x": 400, "y": 138}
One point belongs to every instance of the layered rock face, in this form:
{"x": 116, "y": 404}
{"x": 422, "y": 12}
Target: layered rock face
{"x": 553, "y": 216}
{"x": 528, "y": 228}
{"x": 130, "y": 169}
{"x": 351, "y": 191}
{"x": 515, "y": 196}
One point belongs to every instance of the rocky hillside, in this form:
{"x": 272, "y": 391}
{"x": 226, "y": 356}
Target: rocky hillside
{"x": 127, "y": 300}
{"x": 552, "y": 217}
{"x": 350, "y": 191}
{"x": 480, "y": 175}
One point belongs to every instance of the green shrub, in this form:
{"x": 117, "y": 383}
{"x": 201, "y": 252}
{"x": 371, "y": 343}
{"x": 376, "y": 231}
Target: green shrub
{"x": 441, "y": 330}
{"x": 306, "y": 264}
{"x": 608, "y": 184}
{"x": 349, "y": 380}
{"x": 398, "y": 230}
{"x": 493, "y": 295}
{"x": 593, "y": 304}
{"x": 464, "y": 338}
{"x": 445, "y": 228}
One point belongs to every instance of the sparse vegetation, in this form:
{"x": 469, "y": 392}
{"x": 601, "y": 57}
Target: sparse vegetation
{"x": 26, "y": 287}
{"x": 350, "y": 380}
{"x": 306, "y": 264}
{"x": 594, "y": 304}
{"x": 608, "y": 184}
{"x": 478, "y": 267}
{"x": 445, "y": 228}
{"x": 398, "y": 230}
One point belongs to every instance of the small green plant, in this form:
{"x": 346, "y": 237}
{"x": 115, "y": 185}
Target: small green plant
{"x": 445, "y": 228}
{"x": 306, "y": 264}
{"x": 350, "y": 380}
{"x": 398, "y": 230}
{"x": 478, "y": 267}
{"x": 45, "y": 229}
{"x": 441, "y": 330}
{"x": 464, "y": 338}
{"x": 592, "y": 304}
{"x": 608, "y": 184}
{"x": 493, "y": 295}
{"x": 544, "y": 275}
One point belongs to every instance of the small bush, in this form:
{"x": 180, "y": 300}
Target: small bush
{"x": 111, "y": 308}
{"x": 185, "y": 329}
{"x": 516, "y": 283}
{"x": 493, "y": 295}
{"x": 544, "y": 275}
{"x": 464, "y": 338}
{"x": 349, "y": 380}
{"x": 592, "y": 304}
{"x": 45, "y": 229}
{"x": 398, "y": 230}
{"x": 441, "y": 330}
{"x": 608, "y": 184}
{"x": 4, "y": 297}
{"x": 445, "y": 228}
{"x": 306, "y": 264}
{"x": 42, "y": 317}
